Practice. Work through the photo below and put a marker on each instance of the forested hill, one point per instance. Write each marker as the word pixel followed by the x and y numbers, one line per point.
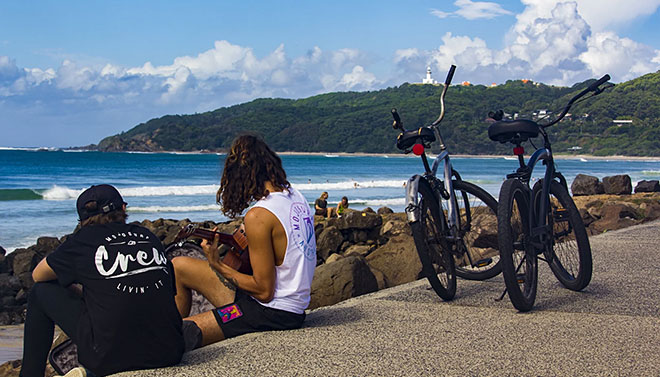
pixel 361 121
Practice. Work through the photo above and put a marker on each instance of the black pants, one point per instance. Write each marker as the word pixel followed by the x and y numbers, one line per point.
pixel 48 304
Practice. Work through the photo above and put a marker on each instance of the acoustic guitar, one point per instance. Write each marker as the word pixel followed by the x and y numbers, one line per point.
pixel 237 256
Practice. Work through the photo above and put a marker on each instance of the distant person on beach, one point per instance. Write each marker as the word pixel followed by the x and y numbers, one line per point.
pixel 280 232
pixel 126 318
pixel 341 207
pixel 321 206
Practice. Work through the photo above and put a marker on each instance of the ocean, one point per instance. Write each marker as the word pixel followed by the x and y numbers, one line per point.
pixel 38 188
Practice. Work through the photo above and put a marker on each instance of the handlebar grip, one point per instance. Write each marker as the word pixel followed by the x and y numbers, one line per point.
pixel 395 115
pixel 450 75
pixel 602 80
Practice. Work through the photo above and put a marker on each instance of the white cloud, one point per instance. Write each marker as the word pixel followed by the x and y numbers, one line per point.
pixel 607 14
pixel 473 10
pixel 552 41
pixel 358 79
pixel 479 9
pixel 439 13
pixel 621 57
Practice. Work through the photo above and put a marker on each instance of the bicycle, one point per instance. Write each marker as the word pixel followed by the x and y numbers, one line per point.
pixel 539 222
pixel 450 241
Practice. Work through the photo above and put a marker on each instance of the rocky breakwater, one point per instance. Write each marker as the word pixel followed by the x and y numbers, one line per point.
pixel 610 204
pixel 361 252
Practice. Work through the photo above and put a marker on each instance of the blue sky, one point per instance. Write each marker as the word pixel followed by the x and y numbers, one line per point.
pixel 73 72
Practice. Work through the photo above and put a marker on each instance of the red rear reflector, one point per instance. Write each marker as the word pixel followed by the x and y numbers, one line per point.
pixel 518 151
pixel 418 149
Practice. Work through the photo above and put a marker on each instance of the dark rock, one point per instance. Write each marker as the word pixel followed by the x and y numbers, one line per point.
pixel 615 216
pixel 359 236
pixel 359 220
pixel 25 260
pixel 9 285
pixel 3 252
pixel 384 211
pixel 7 301
pixel 368 210
pixel 648 186
pixel 345 278
pixel 397 260
pixel 328 242
pixel 362 250
pixel 21 297
pixel 393 225
pixel 617 185
pixel 3 264
pixel 651 211
pixel 26 279
pixel 45 246
pixel 587 219
pixel 586 185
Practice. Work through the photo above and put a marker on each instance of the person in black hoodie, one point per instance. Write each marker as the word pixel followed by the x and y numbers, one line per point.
pixel 126 317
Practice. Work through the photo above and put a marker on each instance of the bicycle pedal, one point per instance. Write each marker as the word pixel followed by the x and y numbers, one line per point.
pixel 560 214
pixel 520 278
pixel 483 262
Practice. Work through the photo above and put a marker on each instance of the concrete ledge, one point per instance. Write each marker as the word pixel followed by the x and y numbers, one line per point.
pixel 611 328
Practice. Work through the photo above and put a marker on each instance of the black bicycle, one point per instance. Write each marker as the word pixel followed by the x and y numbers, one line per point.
pixel 453 222
pixel 539 222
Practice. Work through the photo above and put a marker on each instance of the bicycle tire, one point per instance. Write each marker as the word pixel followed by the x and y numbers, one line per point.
pixel 432 248
pixel 568 252
pixel 477 226
pixel 517 255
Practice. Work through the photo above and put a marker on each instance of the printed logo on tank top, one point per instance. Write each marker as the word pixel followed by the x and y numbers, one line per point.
pixel 302 229
pixel 126 254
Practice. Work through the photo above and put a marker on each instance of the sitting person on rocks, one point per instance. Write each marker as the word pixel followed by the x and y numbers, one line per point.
pixel 126 318
pixel 280 233
pixel 341 207
pixel 321 206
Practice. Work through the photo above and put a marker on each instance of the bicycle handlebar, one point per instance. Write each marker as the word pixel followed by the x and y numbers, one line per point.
pixel 595 87
pixel 450 75
pixel 397 121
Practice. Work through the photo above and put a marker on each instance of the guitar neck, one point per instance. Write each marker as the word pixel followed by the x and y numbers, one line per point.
pixel 223 238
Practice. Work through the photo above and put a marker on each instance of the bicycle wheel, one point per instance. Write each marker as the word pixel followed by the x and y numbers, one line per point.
pixel 478 257
pixel 568 251
pixel 433 250
pixel 517 255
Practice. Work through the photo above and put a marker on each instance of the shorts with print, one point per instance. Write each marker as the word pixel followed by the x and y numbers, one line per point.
pixel 246 315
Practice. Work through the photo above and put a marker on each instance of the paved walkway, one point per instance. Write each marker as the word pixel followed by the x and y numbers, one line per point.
pixel 611 328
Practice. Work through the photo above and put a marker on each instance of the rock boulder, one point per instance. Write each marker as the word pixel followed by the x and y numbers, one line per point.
pixel 648 186
pixel 586 185
pixel 340 280
pixel 617 185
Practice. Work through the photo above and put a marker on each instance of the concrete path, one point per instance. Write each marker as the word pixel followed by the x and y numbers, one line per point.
pixel 611 328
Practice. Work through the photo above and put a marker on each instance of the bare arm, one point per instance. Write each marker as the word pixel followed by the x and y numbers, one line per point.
pixel 43 272
pixel 259 227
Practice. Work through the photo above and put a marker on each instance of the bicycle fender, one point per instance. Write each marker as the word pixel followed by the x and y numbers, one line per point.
pixel 412 204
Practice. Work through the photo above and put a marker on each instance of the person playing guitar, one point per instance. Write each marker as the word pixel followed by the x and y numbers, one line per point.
pixel 280 235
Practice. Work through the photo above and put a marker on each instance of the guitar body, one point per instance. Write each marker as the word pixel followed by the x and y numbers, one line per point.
pixel 237 256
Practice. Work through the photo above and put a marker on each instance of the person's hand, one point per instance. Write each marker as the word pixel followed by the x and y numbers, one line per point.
pixel 211 250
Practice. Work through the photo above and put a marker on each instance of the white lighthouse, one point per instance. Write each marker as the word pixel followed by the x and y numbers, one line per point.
pixel 428 79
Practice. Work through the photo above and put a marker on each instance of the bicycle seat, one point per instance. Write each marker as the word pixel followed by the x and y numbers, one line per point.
pixel 506 131
pixel 407 139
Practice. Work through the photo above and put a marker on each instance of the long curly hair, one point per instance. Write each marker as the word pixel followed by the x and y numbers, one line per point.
pixel 249 164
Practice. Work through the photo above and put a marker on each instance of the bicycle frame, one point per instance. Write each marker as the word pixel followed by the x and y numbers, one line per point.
pixel 412 188
pixel 539 225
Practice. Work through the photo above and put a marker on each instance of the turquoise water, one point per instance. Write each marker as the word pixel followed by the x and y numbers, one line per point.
pixel 38 188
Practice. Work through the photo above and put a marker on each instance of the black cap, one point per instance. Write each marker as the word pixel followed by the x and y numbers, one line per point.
pixel 107 199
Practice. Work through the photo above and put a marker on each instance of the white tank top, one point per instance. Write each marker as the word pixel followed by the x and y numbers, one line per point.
pixel 293 278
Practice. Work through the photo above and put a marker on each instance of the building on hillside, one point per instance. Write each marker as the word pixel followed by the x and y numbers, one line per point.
pixel 429 79
pixel 621 122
